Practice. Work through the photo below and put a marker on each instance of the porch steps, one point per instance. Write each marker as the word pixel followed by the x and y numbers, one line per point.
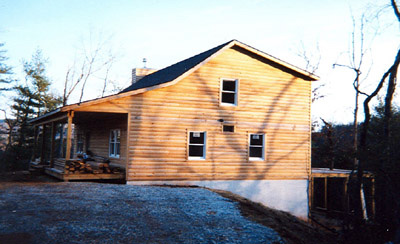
pixel 36 166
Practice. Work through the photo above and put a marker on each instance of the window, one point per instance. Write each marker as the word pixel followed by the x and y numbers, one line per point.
pixel 256 147
pixel 197 145
pixel 229 92
pixel 115 141
pixel 228 128
pixel 79 143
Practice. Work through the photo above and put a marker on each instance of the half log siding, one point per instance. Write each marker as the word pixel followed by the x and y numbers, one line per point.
pixel 97 135
pixel 270 101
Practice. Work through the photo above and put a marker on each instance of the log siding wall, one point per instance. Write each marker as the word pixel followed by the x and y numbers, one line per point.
pixel 270 101
pixel 100 136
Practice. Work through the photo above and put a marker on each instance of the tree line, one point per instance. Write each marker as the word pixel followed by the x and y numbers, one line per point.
pixel 32 98
pixel 372 145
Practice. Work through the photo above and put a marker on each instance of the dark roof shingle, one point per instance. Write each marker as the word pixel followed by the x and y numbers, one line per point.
pixel 172 72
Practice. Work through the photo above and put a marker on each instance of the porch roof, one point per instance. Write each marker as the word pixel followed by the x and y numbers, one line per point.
pixel 79 117
pixel 326 172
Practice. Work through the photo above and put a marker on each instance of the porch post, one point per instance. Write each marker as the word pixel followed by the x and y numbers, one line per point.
pixel 35 138
pixel 69 134
pixel 373 196
pixel 53 134
pixel 326 193
pixel 43 148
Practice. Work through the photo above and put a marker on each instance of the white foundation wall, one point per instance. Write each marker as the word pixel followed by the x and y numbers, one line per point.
pixel 286 195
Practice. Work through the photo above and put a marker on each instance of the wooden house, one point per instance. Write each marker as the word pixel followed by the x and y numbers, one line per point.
pixel 231 118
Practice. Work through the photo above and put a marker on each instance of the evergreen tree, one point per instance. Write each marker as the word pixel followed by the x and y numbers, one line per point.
pixel 32 100
pixel 38 83
pixel 5 70
pixel 23 111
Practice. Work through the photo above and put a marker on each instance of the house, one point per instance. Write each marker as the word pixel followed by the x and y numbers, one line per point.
pixel 231 118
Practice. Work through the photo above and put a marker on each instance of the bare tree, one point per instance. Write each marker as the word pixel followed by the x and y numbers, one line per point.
pixel 390 75
pixel 390 90
pixel 106 79
pixel 356 64
pixel 312 59
pixel 93 59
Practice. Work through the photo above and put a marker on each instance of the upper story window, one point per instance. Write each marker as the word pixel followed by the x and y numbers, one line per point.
pixel 115 143
pixel 197 145
pixel 256 147
pixel 229 92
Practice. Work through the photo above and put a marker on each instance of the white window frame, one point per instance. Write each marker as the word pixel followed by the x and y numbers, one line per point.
pixel 114 143
pixel 236 92
pixel 194 144
pixel 262 146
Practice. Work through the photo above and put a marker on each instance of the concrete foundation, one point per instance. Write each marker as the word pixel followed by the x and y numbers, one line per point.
pixel 286 195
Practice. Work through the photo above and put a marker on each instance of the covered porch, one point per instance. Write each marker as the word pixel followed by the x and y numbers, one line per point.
pixel 81 145
pixel 329 193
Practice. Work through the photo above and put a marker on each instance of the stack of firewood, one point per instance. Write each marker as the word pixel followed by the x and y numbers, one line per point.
pixel 93 167
pixel 106 167
pixel 77 167
pixel 99 167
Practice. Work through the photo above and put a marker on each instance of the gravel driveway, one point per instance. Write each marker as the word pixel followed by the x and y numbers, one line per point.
pixel 111 213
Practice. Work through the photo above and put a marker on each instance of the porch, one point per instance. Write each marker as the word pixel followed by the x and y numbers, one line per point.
pixel 329 195
pixel 76 145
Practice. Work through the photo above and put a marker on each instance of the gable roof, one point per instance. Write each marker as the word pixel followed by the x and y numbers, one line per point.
pixel 176 72
pixel 179 69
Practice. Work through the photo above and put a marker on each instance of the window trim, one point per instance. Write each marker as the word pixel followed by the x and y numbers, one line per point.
pixel 115 155
pixel 236 92
pixel 263 147
pixel 204 146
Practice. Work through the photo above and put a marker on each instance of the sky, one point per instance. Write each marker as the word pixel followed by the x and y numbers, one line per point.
pixel 165 32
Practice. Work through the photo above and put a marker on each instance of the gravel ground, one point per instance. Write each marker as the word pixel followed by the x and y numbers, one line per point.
pixel 111 213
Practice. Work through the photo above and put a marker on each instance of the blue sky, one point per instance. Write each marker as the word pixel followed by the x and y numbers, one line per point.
pixel 165 32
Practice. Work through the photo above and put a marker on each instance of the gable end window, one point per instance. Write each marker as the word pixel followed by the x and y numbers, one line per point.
pixel 256 147
pixel 229 92
pixel 115 143
pixel 197 145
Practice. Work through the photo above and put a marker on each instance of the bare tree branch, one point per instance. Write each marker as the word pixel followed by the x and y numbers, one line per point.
pixel 396 9
pixel 94 59
pixel 312 62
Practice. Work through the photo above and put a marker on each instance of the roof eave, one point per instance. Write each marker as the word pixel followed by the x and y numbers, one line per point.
pixel 312 76
pixel 46 115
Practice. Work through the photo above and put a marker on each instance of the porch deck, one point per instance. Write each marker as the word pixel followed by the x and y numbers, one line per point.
pixel 83 176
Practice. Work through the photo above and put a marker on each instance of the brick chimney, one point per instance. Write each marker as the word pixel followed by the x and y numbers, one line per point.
pixel 139 73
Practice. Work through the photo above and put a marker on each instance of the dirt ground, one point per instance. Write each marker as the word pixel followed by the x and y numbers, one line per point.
pixel 289 228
